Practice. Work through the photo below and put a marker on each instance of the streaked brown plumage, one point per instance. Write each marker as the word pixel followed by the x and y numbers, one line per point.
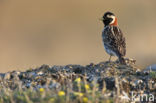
pixel 113 39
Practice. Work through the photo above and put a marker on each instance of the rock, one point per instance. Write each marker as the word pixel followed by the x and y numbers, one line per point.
pixel 15 75
pixel 109 75
pixel 150 68
pixel 2 76
pixel 7 76
pixel 31 74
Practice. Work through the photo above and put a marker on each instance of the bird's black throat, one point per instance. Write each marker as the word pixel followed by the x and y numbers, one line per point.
pixel 107 21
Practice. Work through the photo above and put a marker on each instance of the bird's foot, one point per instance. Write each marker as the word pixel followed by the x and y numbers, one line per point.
pixel 129 61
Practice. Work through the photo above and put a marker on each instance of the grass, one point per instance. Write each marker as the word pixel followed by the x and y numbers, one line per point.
pixel 153 75
pixel 101 83
pixel 82 92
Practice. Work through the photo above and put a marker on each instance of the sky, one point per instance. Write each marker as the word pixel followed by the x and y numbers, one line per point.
pixel 59 32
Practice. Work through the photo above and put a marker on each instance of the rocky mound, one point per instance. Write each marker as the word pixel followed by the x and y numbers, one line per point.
pixel 117 81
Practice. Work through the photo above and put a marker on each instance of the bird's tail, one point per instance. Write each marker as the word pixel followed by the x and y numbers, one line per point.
pixel 122 60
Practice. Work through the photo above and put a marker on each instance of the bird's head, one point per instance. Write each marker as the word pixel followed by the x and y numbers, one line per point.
pixel 109 19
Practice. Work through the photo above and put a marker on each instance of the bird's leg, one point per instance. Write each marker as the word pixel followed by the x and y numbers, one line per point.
pixel 110 58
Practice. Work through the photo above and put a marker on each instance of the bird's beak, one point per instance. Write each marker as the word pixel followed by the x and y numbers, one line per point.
pixel 101 19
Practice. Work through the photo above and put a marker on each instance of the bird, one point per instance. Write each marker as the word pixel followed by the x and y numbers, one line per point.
pixel 113 39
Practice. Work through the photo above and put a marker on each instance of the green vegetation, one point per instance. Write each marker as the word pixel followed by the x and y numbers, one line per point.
pixel 153 74
pixel 82 92
pixel 105 82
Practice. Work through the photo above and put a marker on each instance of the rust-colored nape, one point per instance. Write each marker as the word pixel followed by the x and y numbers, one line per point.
pixel 115 22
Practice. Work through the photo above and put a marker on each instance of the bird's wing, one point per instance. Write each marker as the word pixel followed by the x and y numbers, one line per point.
pixel 113 38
